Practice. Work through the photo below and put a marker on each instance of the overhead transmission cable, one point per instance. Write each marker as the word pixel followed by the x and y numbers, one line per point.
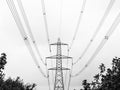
pixel 70 75
pixel 110 5
pixel 78 23
pixel 45 21
pixel 47 74
pixel 18 22
pixel 102 43
pixel 60 24
pixel 29 28
pixel 46 26
pixel 67 64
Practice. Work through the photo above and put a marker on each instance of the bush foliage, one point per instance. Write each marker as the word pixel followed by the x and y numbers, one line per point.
pixel 11 84
pixel 106 79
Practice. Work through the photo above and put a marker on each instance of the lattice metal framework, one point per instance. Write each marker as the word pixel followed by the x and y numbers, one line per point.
pixel 59 83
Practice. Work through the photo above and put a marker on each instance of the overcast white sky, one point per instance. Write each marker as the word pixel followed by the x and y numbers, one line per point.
pixel 20 62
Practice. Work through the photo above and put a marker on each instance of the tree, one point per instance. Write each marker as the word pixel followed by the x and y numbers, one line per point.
pixel 17 84
pixel 2 64
pixel 107 79
pixel 86 85
pixel 11 84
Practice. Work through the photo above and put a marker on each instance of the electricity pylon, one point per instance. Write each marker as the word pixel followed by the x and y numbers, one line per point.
pixel 59 83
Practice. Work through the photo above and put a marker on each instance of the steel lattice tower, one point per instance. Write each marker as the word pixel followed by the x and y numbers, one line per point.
pixel 59 84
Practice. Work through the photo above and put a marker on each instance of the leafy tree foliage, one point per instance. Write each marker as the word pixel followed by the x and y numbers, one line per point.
pixel 106 79
pixel 86 85
pixel 11 84
pixel 2 64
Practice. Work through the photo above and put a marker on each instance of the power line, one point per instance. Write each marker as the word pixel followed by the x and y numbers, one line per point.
pixel 46 26
pixel 29 28
pixel 70 75
pixel 52 67
pixel 102 43
pixel 47 74
pixel 60 25
pixel 16 17
pixel 48 80
pixel 45 21
pixel 67 64
pixel 110 5
pixel 52 71
pixel 78 23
